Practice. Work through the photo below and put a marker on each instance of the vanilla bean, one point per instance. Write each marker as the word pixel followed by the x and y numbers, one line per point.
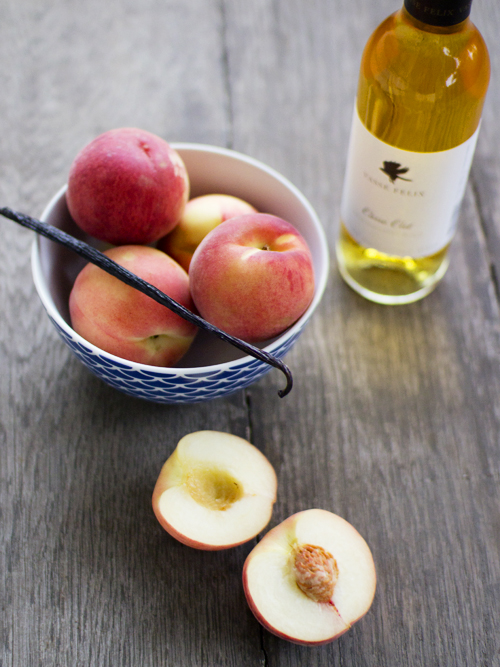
pixel 102 261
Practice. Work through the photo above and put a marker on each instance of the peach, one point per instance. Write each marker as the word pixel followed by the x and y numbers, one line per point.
pixel 310 578
pixel 252 276
pixel 201 215
pixel 121 320
pixel 127 186
pixel 215 491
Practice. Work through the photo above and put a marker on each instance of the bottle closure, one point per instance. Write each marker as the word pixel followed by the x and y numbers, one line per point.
pixel 439 12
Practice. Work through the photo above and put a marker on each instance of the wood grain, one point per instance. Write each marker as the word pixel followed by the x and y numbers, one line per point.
pixel 394 418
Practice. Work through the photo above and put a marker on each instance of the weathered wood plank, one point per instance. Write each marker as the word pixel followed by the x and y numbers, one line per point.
pixel 89 577
pixel 393 421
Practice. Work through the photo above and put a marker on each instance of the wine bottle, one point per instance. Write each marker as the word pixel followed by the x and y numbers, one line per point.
pixel 423 79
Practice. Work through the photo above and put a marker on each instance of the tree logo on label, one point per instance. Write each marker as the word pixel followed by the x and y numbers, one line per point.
pixel 394 171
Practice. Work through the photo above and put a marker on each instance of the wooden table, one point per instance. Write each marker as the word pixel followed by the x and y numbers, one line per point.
pixel 394 419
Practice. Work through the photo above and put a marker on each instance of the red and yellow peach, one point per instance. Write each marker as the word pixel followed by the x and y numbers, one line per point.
pixel 125 322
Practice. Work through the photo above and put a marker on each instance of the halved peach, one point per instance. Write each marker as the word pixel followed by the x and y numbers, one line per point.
pixel 215 491
pixel 310 578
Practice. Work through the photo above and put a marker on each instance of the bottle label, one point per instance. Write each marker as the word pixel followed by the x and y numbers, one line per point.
pixel 402 202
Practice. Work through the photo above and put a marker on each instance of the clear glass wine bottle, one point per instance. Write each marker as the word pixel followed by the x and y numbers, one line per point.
pixel 423 80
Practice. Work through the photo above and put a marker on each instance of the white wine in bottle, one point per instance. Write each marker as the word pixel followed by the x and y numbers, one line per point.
pixel 423 79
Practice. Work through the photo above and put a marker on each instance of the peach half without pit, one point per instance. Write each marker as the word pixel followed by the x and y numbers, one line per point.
pixel 310 578
pixel 215 491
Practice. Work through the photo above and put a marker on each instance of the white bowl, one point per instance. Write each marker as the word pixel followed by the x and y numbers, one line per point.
pixel 211 368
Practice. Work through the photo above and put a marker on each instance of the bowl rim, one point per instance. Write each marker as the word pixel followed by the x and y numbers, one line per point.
pixel 49 305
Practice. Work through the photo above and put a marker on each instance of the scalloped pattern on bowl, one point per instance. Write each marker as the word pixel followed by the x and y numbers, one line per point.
pixel 189 387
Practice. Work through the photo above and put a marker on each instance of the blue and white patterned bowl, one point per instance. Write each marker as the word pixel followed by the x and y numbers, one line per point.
pixel 211 368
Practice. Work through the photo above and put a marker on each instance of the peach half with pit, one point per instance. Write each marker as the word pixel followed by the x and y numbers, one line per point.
pixel 201 215
pixel 310 578
pixel 215 491
pixel 127 186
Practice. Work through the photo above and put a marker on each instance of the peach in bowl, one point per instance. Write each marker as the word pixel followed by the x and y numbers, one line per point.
pixel 211 368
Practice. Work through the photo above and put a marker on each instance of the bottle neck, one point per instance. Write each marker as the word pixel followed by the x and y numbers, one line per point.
pixel 439 12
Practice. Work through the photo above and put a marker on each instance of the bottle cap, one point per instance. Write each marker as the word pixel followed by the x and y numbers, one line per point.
pixel 439 12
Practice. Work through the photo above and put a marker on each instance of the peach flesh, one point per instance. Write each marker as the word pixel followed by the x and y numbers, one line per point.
pixel 271 581
pixel 215 491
